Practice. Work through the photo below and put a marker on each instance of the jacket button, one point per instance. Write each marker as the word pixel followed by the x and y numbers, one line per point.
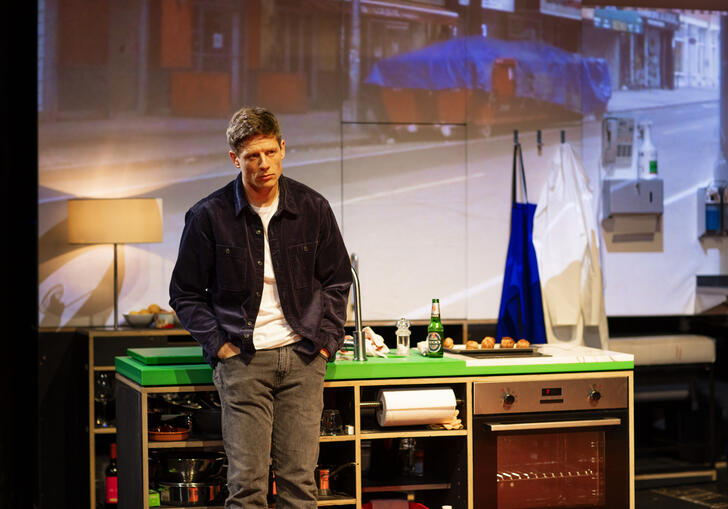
pixel 305 248
pixel 227 250
pixel 260 262
pixel 257 232
pixel 257 294
pixel 250 323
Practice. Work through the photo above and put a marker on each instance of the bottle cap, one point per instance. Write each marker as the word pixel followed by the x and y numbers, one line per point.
pixel 403 327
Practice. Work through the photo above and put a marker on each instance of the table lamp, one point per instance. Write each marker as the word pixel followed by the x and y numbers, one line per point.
pixel 115 221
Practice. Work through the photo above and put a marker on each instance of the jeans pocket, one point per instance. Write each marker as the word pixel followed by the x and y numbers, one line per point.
pixel 322 365
pixel 216 378
pixel 226 360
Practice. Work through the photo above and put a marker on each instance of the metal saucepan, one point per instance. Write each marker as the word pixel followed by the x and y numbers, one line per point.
pixel 190 494
pixel 190 466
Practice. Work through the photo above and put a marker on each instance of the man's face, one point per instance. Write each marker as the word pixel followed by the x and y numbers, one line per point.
pixel 260 160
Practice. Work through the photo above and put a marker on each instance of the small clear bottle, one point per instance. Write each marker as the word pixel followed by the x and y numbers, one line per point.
pixel 406 456
pixel 647 155
pixel 403 337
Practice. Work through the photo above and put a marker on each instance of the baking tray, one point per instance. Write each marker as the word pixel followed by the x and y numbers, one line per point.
pixel 497 352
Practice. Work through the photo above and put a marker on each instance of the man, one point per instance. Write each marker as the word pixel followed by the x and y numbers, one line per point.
pixel 261 282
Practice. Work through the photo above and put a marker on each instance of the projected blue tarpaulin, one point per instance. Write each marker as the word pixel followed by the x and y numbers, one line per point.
pixel 543 72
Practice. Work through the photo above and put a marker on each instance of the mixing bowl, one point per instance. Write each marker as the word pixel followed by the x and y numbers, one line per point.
pixel 190 466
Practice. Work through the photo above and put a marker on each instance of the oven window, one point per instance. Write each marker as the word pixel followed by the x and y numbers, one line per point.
pixel 551 470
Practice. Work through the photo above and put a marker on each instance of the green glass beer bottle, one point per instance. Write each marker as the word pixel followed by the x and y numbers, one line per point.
pixel 435 331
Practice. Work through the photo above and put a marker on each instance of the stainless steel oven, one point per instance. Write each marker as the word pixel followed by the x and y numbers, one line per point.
pixel 552 441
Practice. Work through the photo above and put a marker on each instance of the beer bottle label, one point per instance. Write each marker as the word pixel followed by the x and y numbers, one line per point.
pixel 434 342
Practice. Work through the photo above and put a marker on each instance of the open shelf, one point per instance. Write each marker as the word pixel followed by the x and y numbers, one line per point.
pixel 337 438
pixel 188 506
pixel 373 434
pixel 182 444
pixel 105 431
pixel 405 487
pixel 330 501
pixel 445 465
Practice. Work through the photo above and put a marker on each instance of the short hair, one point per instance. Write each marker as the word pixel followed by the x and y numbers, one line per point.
pixel 251 121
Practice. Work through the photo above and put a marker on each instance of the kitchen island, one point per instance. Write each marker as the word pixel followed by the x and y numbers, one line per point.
pixel 185 365
pixel 453 458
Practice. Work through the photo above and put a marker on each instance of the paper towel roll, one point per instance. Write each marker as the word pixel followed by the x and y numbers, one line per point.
pixel 402 407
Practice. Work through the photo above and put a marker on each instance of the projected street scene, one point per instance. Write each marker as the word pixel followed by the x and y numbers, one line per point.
pixel 401 113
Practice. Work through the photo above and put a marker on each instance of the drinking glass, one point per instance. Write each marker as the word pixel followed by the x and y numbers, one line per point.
pixel 331 423
pixel 104 398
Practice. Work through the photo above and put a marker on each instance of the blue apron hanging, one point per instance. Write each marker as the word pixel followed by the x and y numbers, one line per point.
pixel 521 309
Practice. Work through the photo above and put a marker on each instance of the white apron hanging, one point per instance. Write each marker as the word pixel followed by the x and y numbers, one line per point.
pixel 566 240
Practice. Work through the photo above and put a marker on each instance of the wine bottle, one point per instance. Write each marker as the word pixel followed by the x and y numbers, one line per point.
pixel 111 480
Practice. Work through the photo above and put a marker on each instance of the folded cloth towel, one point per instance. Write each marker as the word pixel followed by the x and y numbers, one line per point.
pixel 390 504
pixel 374 343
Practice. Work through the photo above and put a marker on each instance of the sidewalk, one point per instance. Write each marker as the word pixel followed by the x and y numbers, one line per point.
pixel 626 100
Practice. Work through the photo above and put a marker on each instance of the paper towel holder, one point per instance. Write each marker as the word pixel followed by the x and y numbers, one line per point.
pixel 376 405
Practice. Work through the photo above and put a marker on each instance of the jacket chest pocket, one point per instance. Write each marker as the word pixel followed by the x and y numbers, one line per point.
pixel 302 263
pixel 230 267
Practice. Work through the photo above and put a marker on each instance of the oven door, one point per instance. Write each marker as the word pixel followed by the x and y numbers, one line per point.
pixel 552 459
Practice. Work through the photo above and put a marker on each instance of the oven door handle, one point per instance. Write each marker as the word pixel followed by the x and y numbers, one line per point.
pixel 525 426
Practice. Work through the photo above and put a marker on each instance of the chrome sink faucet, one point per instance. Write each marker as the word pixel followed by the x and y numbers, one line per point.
pixel 360 352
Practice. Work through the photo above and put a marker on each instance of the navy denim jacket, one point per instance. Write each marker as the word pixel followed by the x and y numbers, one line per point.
pixel 217 281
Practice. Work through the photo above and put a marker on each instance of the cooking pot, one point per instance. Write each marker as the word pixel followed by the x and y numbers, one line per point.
pixel 190 493
pixel 207 423
pixel 190 466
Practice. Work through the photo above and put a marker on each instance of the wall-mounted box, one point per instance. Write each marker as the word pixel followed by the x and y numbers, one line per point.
pixel 713 284
pixel 622 196
pixel 712 211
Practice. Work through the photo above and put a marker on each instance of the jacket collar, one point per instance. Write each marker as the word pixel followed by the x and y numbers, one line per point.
pixel 286 201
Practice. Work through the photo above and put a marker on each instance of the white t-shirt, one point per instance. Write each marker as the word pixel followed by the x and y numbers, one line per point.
pixel 271 328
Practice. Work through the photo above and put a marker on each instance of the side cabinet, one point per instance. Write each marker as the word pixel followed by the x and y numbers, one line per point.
pixel 103 345
pixel 364 460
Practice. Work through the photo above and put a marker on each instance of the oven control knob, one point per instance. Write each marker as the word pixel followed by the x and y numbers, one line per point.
pixel 509 398
pixel 595 395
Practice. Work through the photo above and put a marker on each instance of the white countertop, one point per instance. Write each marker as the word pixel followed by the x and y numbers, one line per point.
pixel 562 353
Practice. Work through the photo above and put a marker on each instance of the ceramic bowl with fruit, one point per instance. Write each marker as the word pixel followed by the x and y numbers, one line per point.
pixel 143 317
pixel 139 318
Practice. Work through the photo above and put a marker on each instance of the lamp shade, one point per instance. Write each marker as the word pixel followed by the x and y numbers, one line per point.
pixel 114 221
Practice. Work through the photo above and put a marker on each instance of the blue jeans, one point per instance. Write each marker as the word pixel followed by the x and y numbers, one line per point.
pixel 271 408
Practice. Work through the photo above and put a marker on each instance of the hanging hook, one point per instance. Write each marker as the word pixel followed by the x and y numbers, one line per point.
pixel 539 142
pixel 563 136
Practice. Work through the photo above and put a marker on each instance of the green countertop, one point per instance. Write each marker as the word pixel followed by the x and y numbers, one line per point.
pixel 184 366
pixel 168 355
